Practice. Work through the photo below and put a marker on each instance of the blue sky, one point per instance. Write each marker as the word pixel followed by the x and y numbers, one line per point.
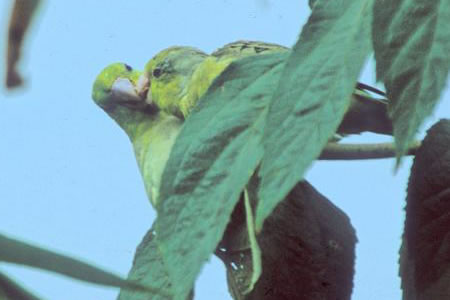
pixel 68 177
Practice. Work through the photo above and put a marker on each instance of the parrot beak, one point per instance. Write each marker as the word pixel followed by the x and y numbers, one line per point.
pixel 142 87
pixel 124 89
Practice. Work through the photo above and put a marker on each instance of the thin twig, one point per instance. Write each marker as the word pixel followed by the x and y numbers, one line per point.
pixel 336 151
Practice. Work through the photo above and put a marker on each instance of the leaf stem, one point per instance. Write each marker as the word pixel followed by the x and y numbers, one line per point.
pixel 256 251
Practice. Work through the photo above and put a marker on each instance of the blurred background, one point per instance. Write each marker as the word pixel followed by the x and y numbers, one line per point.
pixel 68 176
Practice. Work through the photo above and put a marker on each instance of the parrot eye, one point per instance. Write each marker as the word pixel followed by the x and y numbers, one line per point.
pixel 128 67
pixel 157 72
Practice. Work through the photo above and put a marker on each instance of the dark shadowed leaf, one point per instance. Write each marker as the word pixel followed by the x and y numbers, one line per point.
pixel 215 154
pixel 425 255
pixel 412 51
pixel 17 252
pixel 10 290
pixel 313 95
pixel 21 15
pixel 148 269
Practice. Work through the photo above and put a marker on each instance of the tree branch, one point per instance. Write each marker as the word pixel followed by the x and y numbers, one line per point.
pixel 336 151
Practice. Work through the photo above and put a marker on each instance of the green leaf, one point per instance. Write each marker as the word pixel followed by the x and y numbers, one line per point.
pixel 10 290
pixel 148 269
pixel 313 95
pixel 311 3
pixel 412 46
pixel 213 158
pixel 17 252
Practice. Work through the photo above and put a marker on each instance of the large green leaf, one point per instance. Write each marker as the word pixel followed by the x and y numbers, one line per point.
pixel 313 95
pixel 412 51
pixel 10 290
pixel 148 269
pixel 17 252
pixel 215 154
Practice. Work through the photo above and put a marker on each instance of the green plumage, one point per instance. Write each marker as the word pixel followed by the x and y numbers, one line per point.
pixel 151 105
pixel 169 74
pixel 151 131
pixel 179 76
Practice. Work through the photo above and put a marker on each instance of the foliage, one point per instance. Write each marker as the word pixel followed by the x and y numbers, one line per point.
pixel 148 269
pixel 425 258
pixel 411 39
pixel 303 115
pixel 17 252
pixel 227 149
pixel 210 164
pixel 270 116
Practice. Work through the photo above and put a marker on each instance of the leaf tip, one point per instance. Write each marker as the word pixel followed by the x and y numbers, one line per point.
pixel 258 224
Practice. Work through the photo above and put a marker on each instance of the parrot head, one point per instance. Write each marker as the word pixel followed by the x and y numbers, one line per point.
pixel 120 92
pixel 167 76
pixel 118 85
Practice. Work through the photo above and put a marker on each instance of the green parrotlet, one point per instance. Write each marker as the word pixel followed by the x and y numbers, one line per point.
pixel 178 77
pixel 151 131
pixel 151 105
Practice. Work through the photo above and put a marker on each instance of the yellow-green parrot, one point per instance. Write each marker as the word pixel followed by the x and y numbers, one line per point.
pixel 118 91
pixel 178 76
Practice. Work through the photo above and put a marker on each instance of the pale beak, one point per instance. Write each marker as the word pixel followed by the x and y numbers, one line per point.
pixel 123 88
pixel 143 87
